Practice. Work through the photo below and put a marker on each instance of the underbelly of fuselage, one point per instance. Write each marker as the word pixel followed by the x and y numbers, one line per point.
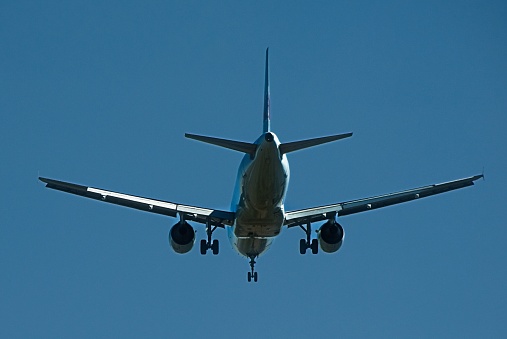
pixel 250 247
pixel 260 224
pixel 262 185
pixel 251 237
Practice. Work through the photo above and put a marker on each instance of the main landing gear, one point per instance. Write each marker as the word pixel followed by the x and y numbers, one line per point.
pixel 252 274
pixel 304 244
pixel 205 245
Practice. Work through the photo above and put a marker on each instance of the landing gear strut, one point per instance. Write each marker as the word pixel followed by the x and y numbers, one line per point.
pixel 304 244
pixel 252 274
pixel 213 245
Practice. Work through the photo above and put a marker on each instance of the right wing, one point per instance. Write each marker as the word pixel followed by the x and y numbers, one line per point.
pixel 192 213
pixel 300 217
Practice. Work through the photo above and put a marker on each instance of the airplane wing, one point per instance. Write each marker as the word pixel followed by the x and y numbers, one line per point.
pixel 192 213
pixel 300 217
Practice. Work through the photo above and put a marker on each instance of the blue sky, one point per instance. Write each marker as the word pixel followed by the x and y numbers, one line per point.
pixel 101 94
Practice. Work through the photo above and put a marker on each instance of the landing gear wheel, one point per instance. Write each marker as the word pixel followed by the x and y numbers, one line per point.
pixel 214 247
pixel 255 276
pixel 302 246
pixel 315 246
pixel 204 247
pixel 249 277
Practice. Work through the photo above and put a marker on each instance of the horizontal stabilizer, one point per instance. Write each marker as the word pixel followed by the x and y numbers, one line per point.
pixel 297 145
pixel 231 144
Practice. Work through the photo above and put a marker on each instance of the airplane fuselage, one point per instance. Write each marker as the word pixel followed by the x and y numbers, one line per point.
pixel 259 196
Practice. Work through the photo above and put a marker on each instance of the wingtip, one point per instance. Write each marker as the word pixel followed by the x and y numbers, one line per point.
pixel 191 136
pixel 45 181
pixel 477 177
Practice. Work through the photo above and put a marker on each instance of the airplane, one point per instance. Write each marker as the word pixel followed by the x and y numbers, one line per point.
pixel 257 214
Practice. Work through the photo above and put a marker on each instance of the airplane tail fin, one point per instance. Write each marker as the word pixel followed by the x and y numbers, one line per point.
pixel 297 145
pixel 267 113
pixel 284 148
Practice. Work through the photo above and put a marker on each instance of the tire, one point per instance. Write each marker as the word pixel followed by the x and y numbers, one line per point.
pixel 255 276
pixel 204 247
pixel 214 247
pixel 249 277
pixel 315 246
pixel 302 246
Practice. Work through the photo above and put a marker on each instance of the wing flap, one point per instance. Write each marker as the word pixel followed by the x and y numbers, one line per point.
pixel 197 214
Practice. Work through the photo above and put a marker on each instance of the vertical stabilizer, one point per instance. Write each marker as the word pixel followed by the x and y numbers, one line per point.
pixel 267 114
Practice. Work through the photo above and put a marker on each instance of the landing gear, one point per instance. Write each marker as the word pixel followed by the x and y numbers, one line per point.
pixel 213 245
pixel 304 244
pixel 252 274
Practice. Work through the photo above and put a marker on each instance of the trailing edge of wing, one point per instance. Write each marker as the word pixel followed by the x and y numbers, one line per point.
pixel 197 214
pixel 230 144
pixel 296 218
pixel 297 145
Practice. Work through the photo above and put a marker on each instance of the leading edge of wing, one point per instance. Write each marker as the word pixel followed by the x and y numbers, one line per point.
pixel 192 213
pixel 296 218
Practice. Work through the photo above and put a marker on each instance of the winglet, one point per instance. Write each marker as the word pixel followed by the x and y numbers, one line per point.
pixel 267 113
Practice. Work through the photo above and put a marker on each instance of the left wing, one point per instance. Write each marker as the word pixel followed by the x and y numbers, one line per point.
pixel 299 217
pixel 192 213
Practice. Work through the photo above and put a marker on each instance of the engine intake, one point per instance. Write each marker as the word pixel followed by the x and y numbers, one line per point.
pixel 182 237
pixel 331 236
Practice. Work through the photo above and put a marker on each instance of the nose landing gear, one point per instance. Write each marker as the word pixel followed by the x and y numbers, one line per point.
pixel 252 274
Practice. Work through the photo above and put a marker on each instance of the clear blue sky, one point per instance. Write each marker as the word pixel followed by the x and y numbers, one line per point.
pixel 101 93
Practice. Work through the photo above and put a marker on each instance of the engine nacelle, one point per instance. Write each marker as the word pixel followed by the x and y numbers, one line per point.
pixel 331 236
pixel 182 237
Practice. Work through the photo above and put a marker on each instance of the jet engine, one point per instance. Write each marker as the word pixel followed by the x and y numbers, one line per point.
pixel 331 236
pixel 182 237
